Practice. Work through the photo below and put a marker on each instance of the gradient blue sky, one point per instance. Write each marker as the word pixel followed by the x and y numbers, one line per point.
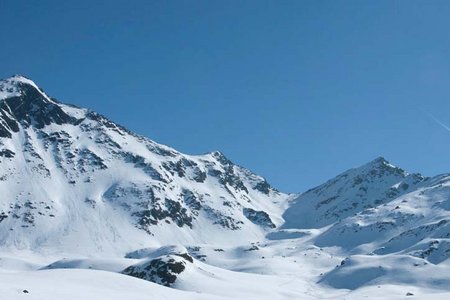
pixel 296 91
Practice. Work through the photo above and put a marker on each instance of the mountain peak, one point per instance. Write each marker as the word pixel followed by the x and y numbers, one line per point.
pixel 20 79
pixel 67 163
pixel 353 191
pixel 380 159
pixel 220 157
pixel 380 163
pixel 23 103
pixel 18 85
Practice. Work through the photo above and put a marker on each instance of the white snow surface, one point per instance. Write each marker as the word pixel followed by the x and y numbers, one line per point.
pixel 84 200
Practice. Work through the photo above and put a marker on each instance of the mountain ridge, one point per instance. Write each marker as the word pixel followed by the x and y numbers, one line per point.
pixel 82 192
pixel 108 167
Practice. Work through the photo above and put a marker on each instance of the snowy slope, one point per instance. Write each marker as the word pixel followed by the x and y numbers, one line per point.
pixel 377 208
pixel 391 226
pixel 353 191
pixel 91 207
pixel 73 180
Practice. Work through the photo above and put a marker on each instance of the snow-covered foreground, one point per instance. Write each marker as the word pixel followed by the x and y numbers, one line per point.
pixel 90 210
pixel 281 270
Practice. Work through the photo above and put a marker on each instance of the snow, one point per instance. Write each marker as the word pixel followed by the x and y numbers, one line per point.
pixel 10 87
pixel 65 284
pixel 84 199
pixel 298 274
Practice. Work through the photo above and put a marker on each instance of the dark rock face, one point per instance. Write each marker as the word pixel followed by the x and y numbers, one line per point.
pixel 162 270
pixel 139 162
pixel 31 108
pixel 88 159
pixel 222 220
pixel 199 175
pixel 3 216
pixel 263 187
pixel 171 210
pixel 7 153
pixel 260 218
pixel 191 201
pixel 8 124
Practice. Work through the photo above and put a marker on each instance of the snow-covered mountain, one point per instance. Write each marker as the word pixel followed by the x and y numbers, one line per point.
pixel 75 181
pixel 92 206
pixel 393 227
pixel 371 185
pixel 378 208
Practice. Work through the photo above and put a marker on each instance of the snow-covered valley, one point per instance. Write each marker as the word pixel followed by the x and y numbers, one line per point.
pixel 90 210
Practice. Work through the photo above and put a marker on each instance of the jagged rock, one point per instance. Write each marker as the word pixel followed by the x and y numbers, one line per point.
pixel 163 265
pixel 162 270
pixel 258 217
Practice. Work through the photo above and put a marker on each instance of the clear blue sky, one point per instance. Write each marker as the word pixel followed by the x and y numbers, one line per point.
pixel 296 91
